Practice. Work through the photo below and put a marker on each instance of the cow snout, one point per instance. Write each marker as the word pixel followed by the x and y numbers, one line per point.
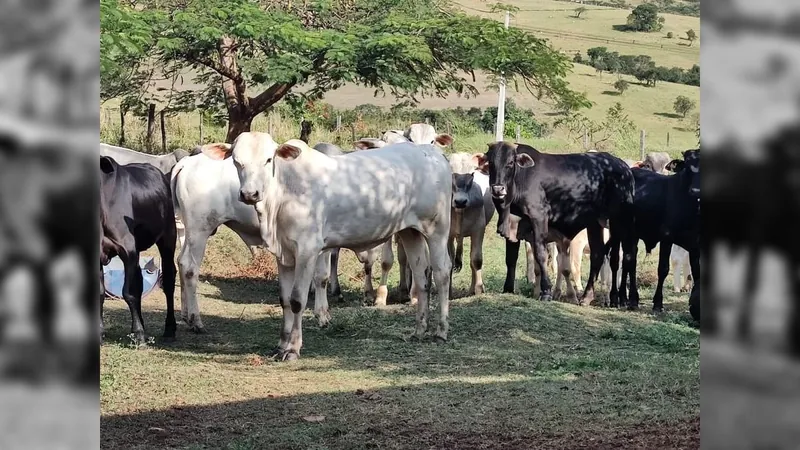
pixel 498 191
pixel 695 191
pixel 460 203
pixel 249 197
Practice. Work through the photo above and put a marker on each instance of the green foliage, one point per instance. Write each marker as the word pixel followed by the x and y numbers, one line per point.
pixel 408 49
pixel 621 86
pixel 515 116
pixel 645 18
pixel 683 105
pixel 691 36
pixel 641 66
pixel 616 127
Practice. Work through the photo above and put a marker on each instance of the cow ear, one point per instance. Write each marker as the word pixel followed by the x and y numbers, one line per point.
pixel 218 151
pixel 288 151
pixel 366 144
pixel 443 140
pixel 674 166
pixel 637 164
pixel 107 165
pixel 524 160
pixel 480 161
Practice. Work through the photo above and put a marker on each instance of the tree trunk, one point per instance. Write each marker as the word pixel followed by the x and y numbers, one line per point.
pixel 151 127
pixel 163 131
pixel 121 126
pixel 237 124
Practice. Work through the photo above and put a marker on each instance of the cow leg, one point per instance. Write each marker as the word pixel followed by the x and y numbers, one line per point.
pixel 458 262
pixel 597 251
pixel 305 267
pixel 663 271
pixel 321 278
pixel 102 300
pixel 512 253
pixel 531 271
pixel 387 261
pixel 677 275
pixel 476 262
pixel 536 278
pixel 565 271
pixel 442 276
pixel 402 261
pixel 286 275
pixel 181 230
pixel 336 290
pixel 132 292
pixel 794 318
pixel 414 244
pixel 166 248
pixel 540 253
pixel 189 261
pixel 368 260
pixel 451 251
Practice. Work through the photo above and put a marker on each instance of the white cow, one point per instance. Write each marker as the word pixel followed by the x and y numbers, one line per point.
pixel 681 270
pixel 205 193
pixel 416 133
pixel 472 209
pixel 308 202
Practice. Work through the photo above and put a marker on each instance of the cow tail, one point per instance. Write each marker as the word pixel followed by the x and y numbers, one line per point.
pixel 173 182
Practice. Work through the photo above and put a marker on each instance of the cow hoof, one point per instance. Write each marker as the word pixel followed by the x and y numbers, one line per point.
pixel 439 339
pixel 658 309
pixel 291 355
pixel 545 297
pixel 479 290
pixel 383 295
pixel 417 337
pixel 168 340
pixel 556 294
pixel 198 329
pixel 633 307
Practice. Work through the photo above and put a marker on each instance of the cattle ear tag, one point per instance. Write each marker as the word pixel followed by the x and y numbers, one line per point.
pixel 288 152
pixel 524 160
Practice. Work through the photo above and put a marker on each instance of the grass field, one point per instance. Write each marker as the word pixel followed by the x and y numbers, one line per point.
pixel 516 373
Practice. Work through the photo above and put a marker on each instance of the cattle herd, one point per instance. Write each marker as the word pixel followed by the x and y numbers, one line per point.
pixel 304 204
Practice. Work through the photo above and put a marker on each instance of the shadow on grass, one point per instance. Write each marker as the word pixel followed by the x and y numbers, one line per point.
pixel 668 115
pixel 612 93
pixel 536 413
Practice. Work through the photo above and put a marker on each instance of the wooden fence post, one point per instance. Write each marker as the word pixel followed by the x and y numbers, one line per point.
pixel 642 136
pixel 163 131
pixel 585 140
pixel 667 139
pixel 338 122
pixel 427 121
pixel 121 126
pixel 151 125
pixel 201 127
pixel 519 133
pixel 450 132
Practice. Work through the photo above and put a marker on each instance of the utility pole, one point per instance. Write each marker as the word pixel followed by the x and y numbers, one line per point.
pixel 501 101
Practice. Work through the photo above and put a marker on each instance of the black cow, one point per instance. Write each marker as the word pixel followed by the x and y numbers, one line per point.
pixel 567 193
pixel 136 212
pixel 755 205
pixel 667 211
pixel 47 211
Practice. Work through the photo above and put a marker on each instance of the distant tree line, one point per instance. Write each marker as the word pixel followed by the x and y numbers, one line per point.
pixel 682 8
pixel 640 66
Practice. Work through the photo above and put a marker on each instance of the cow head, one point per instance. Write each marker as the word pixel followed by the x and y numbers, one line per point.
pixel 462 184
pixel 691 162
pixel 423 133
pixel 252 154
pixel 501 162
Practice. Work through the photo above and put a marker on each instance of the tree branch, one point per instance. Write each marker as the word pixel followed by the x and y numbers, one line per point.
pixel 269 97
pixel 215 66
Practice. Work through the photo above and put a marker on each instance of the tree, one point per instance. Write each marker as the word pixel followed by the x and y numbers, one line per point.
pixel 645 18
pixel 691 36
pixel 580 10
pixel 621 86
pixel 248 55
pixel 683 105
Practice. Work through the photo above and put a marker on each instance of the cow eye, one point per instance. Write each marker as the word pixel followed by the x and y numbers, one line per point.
pixel 269 160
